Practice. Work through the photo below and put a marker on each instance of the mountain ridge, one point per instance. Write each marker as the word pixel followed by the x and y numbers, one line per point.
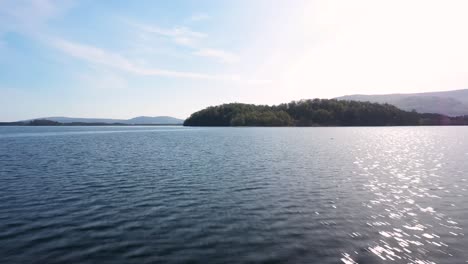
pixel 450 103
pixel 139 120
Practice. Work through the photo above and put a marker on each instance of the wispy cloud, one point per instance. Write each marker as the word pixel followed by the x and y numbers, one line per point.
pixel 179 35
pixel 199 17
pixel 27 16
pixel 193 39
pixel 221 55
pixel 31 17
pixel 102 57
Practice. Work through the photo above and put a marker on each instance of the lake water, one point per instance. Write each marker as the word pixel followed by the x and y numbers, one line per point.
pixel 233 195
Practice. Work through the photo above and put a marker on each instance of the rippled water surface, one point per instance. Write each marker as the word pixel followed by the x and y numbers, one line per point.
pixel 233 195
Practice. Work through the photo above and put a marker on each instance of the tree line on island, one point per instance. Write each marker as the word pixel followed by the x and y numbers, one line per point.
pixel 316 112
pixel 311 112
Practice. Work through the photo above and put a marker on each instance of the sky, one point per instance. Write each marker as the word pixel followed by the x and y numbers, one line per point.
pixel 121 59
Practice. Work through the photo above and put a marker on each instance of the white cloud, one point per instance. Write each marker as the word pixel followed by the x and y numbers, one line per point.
pixel 180 35
pixel 199 17
pixel 221 55
pixel 185 36
pixel 26 16
pixel 99 56
pixel 174 32
pixel 31 17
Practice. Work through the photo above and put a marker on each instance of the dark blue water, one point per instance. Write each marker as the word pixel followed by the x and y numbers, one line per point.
pixel 233 195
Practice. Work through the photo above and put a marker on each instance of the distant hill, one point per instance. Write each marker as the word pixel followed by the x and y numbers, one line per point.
pixel 141 120
pixel 450 103
pixel 154 120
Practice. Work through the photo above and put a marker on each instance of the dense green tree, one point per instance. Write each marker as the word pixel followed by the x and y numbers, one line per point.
pixel 43 122
pixel 315 112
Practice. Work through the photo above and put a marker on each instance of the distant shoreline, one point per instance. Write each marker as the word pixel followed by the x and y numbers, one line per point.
pixel 181 125
pixel 78 124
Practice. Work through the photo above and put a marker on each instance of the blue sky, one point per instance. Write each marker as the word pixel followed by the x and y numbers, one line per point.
pixel 120 59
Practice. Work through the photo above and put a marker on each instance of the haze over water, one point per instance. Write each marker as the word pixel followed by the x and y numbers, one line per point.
pixel 233 195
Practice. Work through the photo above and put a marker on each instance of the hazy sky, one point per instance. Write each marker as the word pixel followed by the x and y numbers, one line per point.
pixel 120 59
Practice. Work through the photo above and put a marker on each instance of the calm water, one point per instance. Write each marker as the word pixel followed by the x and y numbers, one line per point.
pixel 233 195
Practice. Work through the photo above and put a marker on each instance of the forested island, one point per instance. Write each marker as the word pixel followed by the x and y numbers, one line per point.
pixel 317 112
